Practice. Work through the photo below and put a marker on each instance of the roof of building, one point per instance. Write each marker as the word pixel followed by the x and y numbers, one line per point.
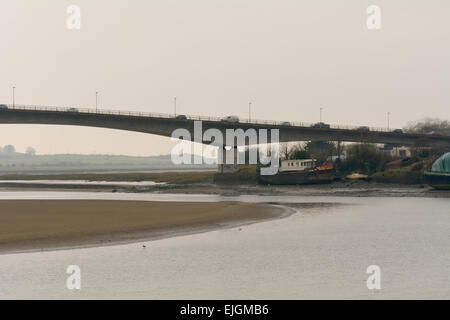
pixel 299 160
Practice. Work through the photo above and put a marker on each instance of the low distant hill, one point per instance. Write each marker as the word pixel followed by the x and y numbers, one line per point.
pixel 14 162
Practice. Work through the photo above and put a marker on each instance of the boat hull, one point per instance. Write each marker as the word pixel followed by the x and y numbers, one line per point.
pixel 438 180
pixel 298 178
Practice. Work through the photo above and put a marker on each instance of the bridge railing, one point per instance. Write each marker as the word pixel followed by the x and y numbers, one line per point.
pixel 172 116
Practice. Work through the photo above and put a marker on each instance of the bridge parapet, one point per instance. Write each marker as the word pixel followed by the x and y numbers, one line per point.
pixel 188 117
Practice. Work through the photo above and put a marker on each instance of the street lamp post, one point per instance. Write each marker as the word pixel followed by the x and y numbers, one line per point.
pixel 96 101
pixel 14 96
pixel 388 120
pixel 175 106
pixel 321 114
pixel 249 111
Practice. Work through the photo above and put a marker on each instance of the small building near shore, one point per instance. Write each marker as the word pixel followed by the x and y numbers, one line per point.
pixel 396 152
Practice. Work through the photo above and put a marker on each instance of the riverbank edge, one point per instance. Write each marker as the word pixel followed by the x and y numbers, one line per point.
pixel 356 188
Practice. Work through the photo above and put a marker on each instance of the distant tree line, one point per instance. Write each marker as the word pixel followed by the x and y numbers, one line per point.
pixel 10 150
pixel 428 125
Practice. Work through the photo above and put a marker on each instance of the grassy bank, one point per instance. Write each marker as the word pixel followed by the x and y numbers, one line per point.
pixel 247 174
pixel 407 172
pixel 399 175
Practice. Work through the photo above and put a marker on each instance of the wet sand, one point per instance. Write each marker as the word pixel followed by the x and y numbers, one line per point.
pixel 56 224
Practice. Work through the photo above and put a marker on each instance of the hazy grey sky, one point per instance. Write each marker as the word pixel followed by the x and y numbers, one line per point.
pixel 288 57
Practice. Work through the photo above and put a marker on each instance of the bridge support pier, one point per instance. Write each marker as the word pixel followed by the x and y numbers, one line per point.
pixel 223 167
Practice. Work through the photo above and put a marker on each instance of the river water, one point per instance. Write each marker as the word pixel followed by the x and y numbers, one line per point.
pixel 322 251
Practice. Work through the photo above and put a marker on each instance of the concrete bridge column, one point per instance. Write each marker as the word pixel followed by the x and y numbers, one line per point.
pixel 228 168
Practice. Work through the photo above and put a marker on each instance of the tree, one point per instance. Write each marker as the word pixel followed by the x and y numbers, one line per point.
pixel 320 150
pixel 427 125
pixel 298 151
pixel 9 149
pixel 364 157
pixel 422 146
pixel 339 146
pixel 285 151
pixel 30 151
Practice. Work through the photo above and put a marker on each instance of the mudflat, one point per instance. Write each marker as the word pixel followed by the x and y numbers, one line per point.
pixel 51 224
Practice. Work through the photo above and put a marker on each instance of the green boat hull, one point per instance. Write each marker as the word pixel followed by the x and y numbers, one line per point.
pixel 438 180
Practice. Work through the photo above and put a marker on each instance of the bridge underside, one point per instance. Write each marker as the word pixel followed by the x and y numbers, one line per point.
pixel 165 127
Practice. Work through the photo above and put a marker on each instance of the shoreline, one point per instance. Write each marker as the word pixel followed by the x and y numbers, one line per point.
pixel 168 219
pixel 345 189
pixel 202 182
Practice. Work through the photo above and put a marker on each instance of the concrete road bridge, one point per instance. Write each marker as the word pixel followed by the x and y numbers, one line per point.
pixel 165 124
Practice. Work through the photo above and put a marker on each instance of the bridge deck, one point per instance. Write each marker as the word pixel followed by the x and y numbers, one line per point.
pixel 165 124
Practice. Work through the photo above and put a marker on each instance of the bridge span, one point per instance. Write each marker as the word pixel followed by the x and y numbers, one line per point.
pixel 165 124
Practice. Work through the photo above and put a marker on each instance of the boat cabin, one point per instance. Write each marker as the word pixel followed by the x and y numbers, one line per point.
pixel 297 165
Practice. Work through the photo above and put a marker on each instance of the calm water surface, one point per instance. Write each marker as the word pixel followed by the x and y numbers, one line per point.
pixel 322 251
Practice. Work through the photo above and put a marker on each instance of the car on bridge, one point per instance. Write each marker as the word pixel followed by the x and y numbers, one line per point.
pixel 72 110
pixel 181 117
pixel 231 119
pixel 434 133
pixel 321 125
pixel 286 123
pixel 397 131
pixel 363 129
pixel 3 107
